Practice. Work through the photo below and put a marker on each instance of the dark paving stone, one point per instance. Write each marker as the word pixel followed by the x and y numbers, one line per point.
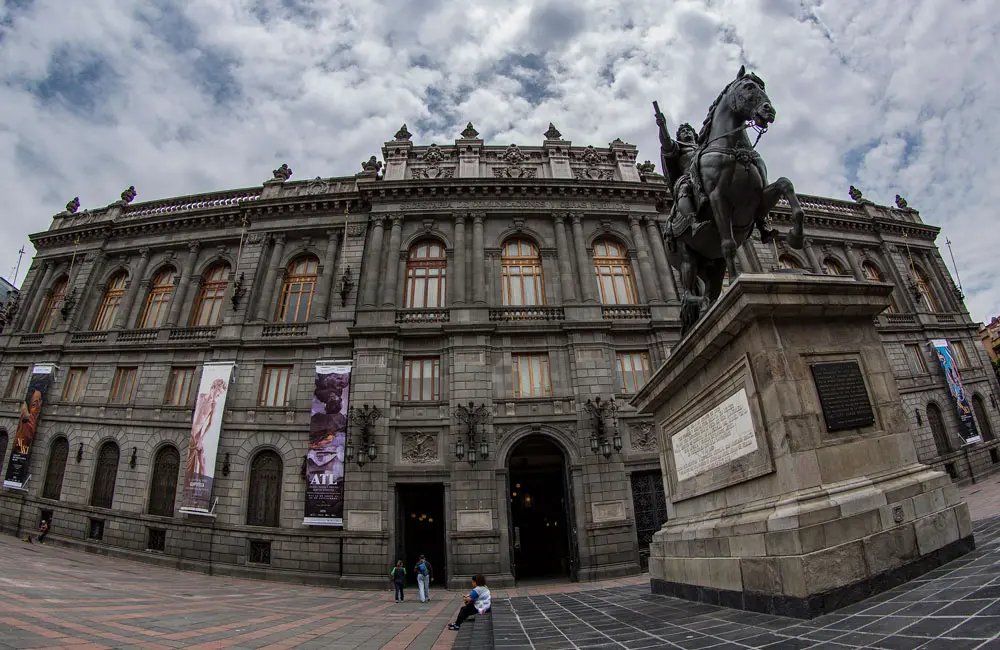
pixel 899 642
pixel 931 627
pixel 980 627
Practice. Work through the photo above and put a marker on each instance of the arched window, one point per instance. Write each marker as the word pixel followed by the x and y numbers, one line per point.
pixel 924 290
pixel 521 273
pixel 936 422
pixel 3 446
pixel 871 272
pixel 833 267
pixel 208 306
pixel 985 428
pixel 47 320
pixel 614 273
pixel 103 492
pixel 426 271
pixel 109 304
pixel 56 469
pixel 264 498
pixel 163 487
pixel 297 290
pixel 788 262
pixel 154 314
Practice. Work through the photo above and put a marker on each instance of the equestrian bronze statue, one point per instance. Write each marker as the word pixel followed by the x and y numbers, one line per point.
pixel 720 192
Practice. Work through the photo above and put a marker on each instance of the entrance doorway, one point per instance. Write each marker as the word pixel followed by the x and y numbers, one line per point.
pixel 540 507
pixel 420 528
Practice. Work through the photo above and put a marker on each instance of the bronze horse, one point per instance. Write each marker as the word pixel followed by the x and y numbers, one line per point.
pixel 730 192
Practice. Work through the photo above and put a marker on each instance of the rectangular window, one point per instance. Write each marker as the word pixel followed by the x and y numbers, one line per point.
pixel 531 375
pixel 914 359
pixel 179 386
pixel 633 371
pixel 76 381
pixel 421 379
pixel 274 386
pixel 961 356
pixel 18 382
pixel 123 386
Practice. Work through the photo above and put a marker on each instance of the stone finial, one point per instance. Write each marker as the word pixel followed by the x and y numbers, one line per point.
pixel 403 133
pixel 282 173
pixel 901 203
pixel 552 133
pixel 646 167
pixel 617 141
pixel 73 205
pixel 373 164
pixel 129 195
pixel 855 194
pixel 470 133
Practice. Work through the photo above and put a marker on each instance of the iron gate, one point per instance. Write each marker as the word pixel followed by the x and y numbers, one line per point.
pixel 649 502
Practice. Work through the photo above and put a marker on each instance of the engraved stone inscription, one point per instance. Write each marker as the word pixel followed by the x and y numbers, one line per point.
pixel 723 434
pixel 605 511
pixel 842 395
pixel 472 520
pixel 367 520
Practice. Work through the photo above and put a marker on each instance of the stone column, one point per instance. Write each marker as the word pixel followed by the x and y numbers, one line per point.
pixel 811 256
pixel 324 298
pixel 663 271
pixel 277 252
pixel 125 318
pixel 645 267
pixel 459 283
pixel 37 297
pixel 392 263
pixel 945 299
pixel 851 254
pixel 478 259
pixel 85 306
pixel 904 299
pixel 585 266
pixel 563 253
pixel 187 273
pixel 374 255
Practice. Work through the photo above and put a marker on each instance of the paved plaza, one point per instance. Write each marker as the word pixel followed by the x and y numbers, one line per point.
pixel 56 597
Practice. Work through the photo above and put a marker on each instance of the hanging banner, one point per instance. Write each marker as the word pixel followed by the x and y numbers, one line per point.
pixel 966 424
pixel 204 444
pixel 27 425
pixel 327 437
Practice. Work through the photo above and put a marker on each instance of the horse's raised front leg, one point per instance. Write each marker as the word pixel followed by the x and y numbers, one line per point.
pixel 783 187
pixel 724 223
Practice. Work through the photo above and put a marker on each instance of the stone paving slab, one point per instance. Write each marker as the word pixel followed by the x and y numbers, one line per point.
pixel 955 606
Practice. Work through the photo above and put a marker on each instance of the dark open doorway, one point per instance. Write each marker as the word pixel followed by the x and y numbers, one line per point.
pixel 420 528
pixel 539 511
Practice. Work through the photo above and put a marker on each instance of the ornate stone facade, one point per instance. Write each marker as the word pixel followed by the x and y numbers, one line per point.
pixel 528 279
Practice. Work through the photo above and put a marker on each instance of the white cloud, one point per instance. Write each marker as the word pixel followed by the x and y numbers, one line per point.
pixel 201 95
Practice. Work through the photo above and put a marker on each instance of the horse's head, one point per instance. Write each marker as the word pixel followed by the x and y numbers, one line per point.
pixel 748 101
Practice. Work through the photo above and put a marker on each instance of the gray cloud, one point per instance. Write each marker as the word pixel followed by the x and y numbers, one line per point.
pixel 199 95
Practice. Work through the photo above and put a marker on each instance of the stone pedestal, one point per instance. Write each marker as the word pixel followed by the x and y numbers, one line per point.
pixel 793 485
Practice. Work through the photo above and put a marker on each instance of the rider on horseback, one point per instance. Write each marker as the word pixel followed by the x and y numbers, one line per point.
pixel 677 157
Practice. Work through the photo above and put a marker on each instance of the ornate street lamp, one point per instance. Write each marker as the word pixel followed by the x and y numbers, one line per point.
pixel 364 417
pixel 472 416
pixel 598 412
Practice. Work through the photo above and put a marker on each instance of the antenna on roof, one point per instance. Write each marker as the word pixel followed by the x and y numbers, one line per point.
pixel 20 254
pixel 961 293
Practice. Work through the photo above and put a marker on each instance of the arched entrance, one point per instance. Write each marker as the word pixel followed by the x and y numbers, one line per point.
pixel 540 503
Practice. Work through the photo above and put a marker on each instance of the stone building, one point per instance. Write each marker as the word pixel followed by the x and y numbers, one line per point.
pixel 493 301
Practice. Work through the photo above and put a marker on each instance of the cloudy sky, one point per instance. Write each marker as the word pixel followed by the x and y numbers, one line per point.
pixel 185 96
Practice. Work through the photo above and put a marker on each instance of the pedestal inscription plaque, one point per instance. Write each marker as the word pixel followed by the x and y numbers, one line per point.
pixel 723 434
pixel 842 395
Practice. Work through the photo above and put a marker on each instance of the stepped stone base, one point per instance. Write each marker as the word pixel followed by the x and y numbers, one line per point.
pixel 775 505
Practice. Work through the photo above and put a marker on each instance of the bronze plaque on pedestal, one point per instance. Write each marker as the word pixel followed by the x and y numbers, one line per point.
pixel 842 395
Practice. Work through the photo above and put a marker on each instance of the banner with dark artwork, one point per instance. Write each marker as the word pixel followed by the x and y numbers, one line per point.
pixel 27 425
pixel 199 471
pixel 966 424
pixel 327 437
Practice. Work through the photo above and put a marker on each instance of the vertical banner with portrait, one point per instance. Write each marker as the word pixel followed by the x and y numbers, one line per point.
pixel 41 379
pixel 203 446
pixel 966 424
pixel 327 437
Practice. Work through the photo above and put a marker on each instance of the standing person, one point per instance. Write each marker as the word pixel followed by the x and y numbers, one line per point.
pixel 425 576
pixel 478 601
pixel 398 577
pixel 43 530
